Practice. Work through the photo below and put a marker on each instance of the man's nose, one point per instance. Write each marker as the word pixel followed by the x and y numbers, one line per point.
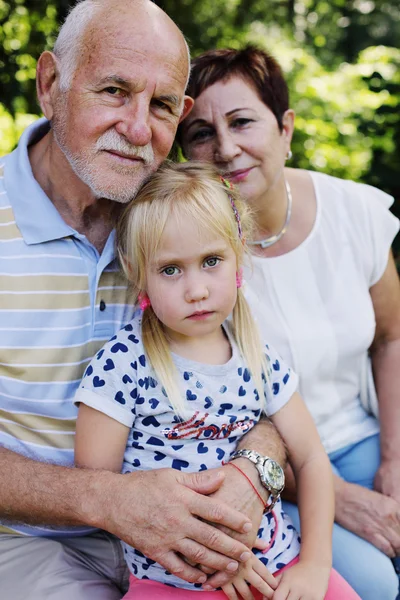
pixel 134 123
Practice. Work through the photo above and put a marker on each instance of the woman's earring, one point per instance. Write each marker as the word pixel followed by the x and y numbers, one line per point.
pixel 239 278
pixel 144 301
pixel 289 155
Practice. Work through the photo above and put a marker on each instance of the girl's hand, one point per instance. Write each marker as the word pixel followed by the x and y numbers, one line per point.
pixel 253 572
pixel 304 580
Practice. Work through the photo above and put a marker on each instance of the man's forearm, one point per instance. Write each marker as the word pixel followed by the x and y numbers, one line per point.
pixel 40 493
pixel 265 439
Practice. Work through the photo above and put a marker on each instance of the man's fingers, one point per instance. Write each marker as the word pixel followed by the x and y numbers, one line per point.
pixel 260 544
pixel 203 482
pixel 207 570
pixel 199 555
pixel 215 511
pixel 177 566
pixel 219 542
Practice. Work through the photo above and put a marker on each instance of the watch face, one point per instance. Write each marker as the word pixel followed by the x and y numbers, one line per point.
pixel 274 475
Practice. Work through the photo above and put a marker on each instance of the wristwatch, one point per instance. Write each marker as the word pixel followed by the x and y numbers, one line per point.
pixel 271 473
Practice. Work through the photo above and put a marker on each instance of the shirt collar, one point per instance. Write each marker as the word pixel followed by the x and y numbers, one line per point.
pixel 36 216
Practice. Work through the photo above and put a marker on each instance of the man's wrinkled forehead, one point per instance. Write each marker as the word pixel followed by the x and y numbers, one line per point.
pixel 136 34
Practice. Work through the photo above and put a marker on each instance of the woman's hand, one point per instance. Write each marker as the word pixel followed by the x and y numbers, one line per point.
pixel 369 514
pixel 305 580
pixel 253 572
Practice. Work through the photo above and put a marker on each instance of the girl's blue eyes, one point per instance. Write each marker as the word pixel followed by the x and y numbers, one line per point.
pixel 169 271
pixel 210 262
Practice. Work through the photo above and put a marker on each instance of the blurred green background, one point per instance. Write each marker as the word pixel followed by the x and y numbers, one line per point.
pixel 341 57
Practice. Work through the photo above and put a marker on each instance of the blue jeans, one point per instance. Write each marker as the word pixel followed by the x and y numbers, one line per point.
pixel 367 569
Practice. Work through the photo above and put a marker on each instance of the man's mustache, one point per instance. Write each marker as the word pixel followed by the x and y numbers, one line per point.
pixel 112 141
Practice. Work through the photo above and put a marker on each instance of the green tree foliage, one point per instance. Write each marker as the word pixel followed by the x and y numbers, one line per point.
pixel 340 57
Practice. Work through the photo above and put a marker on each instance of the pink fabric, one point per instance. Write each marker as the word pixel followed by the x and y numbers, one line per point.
pixel 145 589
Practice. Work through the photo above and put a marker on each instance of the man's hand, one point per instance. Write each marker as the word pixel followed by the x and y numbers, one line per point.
pixel 387 479
pixel 162 513
pixel 370 515
pixel 238 493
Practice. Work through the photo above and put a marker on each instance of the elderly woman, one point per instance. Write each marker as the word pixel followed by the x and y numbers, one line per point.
pixel 325 290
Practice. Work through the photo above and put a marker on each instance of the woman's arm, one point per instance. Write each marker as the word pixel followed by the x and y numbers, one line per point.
pixel 367 513
pixel 313 475
pixel 385 354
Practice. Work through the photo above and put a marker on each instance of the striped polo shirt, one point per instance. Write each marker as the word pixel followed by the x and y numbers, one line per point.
pixel 60 301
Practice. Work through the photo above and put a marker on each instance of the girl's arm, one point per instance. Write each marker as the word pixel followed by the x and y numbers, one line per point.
pixel 100 441
pixel 314 480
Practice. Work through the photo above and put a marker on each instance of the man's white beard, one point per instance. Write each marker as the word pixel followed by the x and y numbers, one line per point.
pixel 83 164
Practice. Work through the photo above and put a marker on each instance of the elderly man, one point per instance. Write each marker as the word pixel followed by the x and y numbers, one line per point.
pixel 112 93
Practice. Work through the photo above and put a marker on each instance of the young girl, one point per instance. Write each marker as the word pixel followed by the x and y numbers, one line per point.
pixel 180 385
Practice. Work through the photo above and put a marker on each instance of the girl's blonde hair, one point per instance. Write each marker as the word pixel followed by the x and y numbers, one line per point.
pixel 186 190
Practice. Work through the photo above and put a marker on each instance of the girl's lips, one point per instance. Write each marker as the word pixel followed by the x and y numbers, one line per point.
pixel 237 176
pixel 199 316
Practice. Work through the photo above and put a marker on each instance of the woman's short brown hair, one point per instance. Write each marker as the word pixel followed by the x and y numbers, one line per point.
pixel 258 67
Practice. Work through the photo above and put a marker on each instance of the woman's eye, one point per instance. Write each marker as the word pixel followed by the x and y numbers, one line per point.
pixel 169 271
pixel 212 261
pixel 201 134
pixel 240 122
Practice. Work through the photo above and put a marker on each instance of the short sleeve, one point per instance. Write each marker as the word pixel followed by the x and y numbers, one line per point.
pixel 382 227
pixel 281 384
pixel 109 384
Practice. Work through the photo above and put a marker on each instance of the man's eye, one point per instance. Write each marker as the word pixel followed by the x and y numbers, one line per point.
pixel 169 271
pixel 160 104
pixel 114 91
pixel 212 261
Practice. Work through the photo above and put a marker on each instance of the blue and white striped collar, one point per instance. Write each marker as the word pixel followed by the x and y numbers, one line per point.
pixel 36 216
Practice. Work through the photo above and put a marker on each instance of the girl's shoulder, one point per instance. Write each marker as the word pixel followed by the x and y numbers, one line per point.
pixel 126 344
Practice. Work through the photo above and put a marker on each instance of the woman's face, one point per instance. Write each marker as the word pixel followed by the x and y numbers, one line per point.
pixel 231 127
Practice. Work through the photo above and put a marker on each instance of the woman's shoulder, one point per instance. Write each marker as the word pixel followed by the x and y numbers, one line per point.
pixel 350 192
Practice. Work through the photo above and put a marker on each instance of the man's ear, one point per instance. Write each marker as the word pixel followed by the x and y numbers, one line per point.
pixel 47 82
pixel 188 103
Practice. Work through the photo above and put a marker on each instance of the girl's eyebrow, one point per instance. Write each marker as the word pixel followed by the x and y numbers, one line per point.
pixel 179 259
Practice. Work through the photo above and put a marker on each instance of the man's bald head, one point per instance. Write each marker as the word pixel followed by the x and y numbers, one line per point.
pixel 89 18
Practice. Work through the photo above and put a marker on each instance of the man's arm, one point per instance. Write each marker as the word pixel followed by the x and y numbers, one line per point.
pixel 132 507
pixel 238 493
pixel 236 490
